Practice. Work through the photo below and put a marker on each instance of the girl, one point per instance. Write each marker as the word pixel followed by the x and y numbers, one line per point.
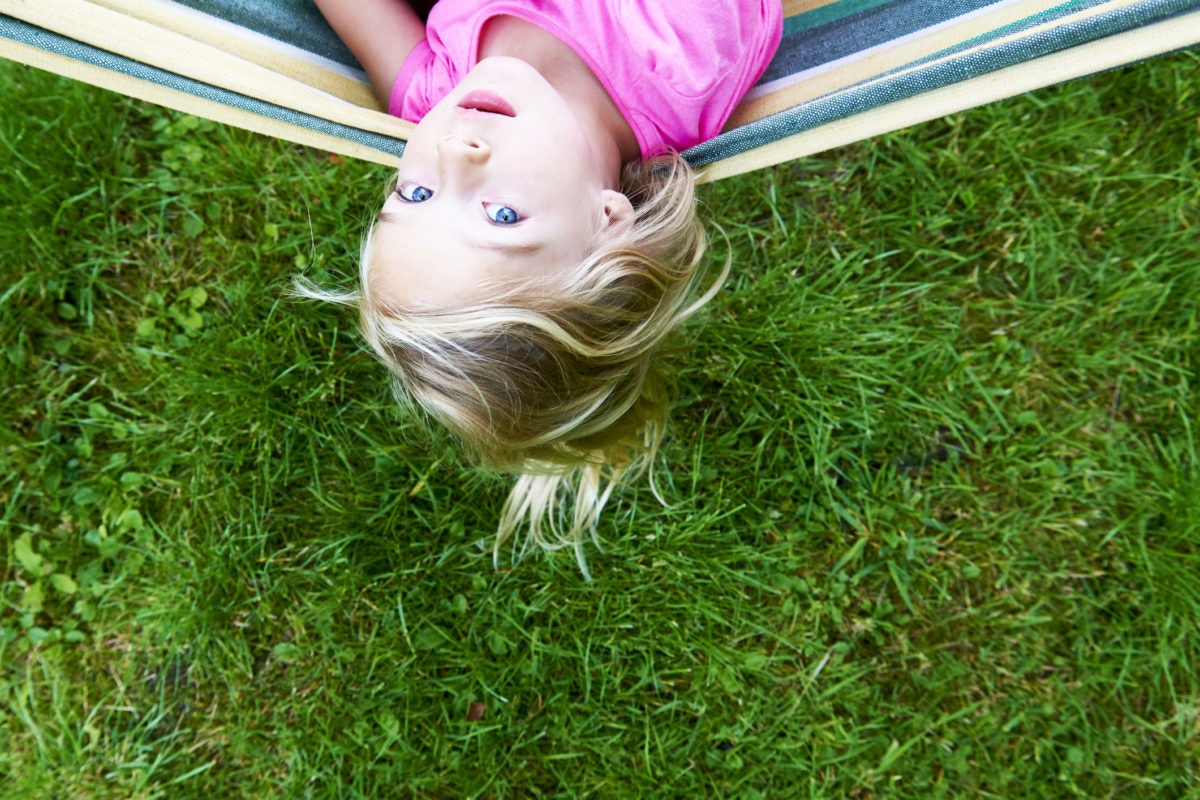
pixel 541 238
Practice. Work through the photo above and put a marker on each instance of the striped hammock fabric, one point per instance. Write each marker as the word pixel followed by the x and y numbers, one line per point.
pixel 847 69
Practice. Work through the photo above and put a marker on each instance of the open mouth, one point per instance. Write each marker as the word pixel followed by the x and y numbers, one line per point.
pixel 487 103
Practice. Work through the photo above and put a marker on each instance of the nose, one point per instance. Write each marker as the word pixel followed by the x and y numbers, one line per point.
pixel 467 149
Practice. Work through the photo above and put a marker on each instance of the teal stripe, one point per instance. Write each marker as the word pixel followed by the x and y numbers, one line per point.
pixel 1042 17
pixel 851 35
pixel 808 20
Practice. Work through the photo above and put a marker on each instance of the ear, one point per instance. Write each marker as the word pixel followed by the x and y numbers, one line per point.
pixel 618 214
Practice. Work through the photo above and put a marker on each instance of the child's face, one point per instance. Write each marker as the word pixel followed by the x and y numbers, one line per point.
pixel 499 182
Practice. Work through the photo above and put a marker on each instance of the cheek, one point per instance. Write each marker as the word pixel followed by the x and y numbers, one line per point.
pixel 380 272
pixel 392 204
pixel 422 144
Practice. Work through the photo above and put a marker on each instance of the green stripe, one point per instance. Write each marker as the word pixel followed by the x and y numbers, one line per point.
pixel 826 14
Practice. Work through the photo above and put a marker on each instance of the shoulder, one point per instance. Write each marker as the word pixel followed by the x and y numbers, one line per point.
pixel 678 70
pixel 380 34
pixel 443 58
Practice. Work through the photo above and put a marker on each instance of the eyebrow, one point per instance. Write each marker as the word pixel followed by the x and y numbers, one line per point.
pixel 509 248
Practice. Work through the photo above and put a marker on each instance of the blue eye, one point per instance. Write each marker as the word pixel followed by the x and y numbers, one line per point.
pixel 413 193
pixel 501 214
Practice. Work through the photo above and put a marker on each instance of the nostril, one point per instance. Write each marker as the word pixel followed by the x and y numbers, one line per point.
pixel 464 147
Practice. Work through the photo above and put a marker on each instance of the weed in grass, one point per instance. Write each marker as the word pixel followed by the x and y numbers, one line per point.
pixel 933 480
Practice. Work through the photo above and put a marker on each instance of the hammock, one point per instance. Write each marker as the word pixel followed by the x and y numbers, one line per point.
pixel 846 70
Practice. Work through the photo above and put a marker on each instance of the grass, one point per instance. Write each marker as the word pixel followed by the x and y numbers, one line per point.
pixel 934 482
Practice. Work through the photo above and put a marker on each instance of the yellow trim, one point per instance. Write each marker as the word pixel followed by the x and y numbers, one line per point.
pixel 792 8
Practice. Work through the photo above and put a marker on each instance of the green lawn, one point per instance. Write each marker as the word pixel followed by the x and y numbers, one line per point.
pixel 933 474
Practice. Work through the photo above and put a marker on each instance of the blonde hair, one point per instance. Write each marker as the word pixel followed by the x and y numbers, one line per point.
pixel 557 382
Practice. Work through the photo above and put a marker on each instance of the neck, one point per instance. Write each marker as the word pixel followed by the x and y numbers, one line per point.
pixel 570 76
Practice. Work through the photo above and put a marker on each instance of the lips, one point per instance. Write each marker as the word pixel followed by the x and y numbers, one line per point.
pixel 487 103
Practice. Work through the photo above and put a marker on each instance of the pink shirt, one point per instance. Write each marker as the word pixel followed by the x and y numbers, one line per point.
pixel 675 69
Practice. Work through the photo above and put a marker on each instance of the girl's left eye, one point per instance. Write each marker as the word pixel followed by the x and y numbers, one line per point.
pixel 501 214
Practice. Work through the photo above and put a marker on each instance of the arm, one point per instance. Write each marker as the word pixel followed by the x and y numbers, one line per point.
pixel 380 33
